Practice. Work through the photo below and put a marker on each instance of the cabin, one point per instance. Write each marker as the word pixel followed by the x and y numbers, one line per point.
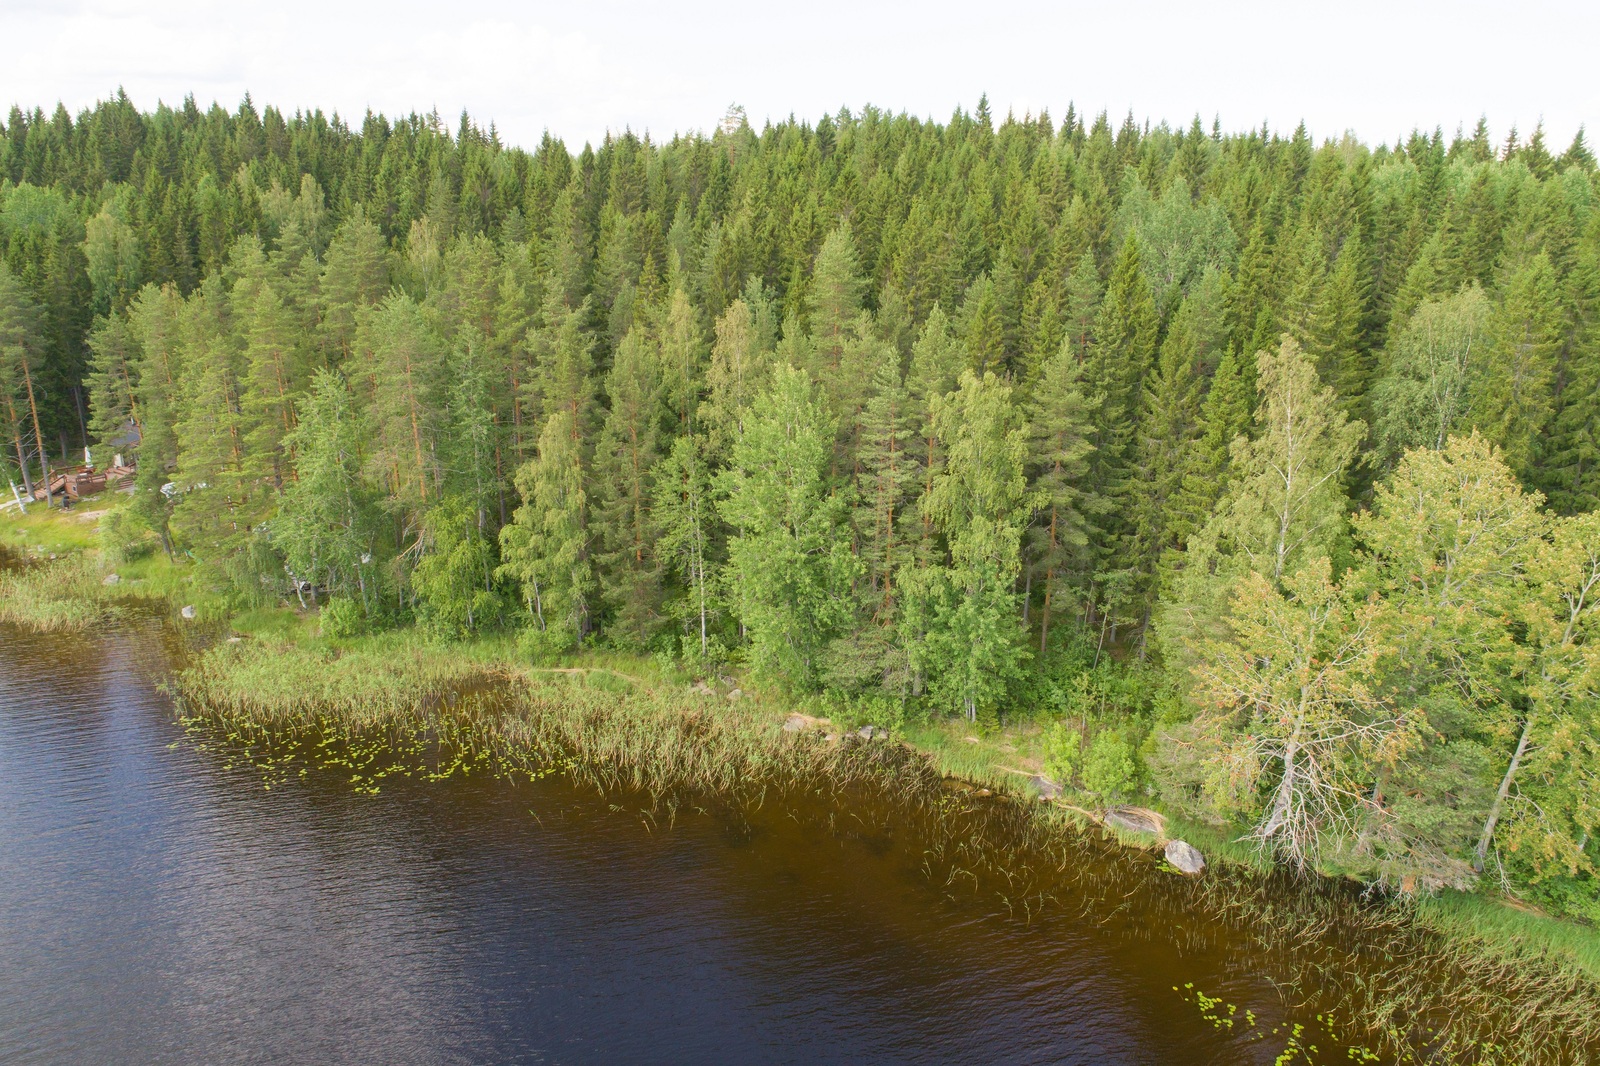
pixel 72 484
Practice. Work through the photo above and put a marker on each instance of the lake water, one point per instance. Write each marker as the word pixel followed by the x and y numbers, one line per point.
pixel 159 905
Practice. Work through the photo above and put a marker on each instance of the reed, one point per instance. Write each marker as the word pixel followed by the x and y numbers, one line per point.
pixel 60 596
pixel 1385 980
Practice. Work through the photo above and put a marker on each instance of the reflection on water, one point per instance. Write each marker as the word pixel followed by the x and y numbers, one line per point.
pixel 159 905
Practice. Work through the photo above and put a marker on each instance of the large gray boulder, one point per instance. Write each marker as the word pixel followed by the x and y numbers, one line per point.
pixel 1185 856
pixel 188 612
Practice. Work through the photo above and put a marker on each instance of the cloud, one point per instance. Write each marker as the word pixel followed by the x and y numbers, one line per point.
pixel 582 69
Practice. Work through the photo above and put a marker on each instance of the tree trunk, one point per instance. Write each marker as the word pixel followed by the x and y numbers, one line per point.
pixel 1489 824
pixel 38 437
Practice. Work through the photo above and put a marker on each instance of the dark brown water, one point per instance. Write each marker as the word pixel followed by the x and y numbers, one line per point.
pixel 159 905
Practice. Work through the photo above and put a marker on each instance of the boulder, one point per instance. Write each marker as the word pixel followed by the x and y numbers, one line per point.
pixel 188 612
pixel 872 732
pixel 796 723
pixel 1185 857
pixel 1048 789
pixel 111 579
pixel 736 695
pixel 1135 820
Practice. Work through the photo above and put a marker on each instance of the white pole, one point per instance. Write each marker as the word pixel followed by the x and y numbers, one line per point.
pixel 20 505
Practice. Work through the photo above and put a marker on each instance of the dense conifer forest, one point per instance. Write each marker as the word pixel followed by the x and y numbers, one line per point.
pixel 1262 472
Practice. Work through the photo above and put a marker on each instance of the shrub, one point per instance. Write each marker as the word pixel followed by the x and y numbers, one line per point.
pixel 1063 753
pixel 1110 769
pixel 342 618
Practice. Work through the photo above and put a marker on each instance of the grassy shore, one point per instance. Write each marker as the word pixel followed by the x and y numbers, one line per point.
pixel 629 724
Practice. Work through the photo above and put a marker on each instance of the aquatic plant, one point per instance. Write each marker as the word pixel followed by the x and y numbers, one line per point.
pixel 59 596
pixel 1399 989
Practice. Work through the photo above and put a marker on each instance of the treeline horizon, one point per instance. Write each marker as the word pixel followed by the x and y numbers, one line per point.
pixel 1263 472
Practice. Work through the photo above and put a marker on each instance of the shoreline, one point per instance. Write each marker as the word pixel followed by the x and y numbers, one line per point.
pixel 621 723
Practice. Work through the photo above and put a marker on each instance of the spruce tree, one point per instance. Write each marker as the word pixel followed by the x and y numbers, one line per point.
pixel 1123 352
pixel 545 549
pixel 324 524
pixel 1514 396
pixel 629 448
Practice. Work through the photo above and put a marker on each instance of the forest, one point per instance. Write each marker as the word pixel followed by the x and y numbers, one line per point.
pixel 1261 473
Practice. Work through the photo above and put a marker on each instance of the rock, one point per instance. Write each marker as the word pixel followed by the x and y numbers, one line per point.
pixel 1048 789
pixel 872 732
pixel 235 640
pixel 1135 820
pixel 188 612
pixel 1185 856
pixel 702 689
pixel 735 695
pixel 970 740
pixel 796 723
pixel 111 579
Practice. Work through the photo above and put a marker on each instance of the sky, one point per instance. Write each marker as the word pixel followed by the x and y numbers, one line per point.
pixel 1379 69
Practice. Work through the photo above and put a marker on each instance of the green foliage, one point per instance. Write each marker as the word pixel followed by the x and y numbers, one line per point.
pixel 427 373
pixel 1109 768
pixel 1063 753
pixel 341 619
pixel 790 558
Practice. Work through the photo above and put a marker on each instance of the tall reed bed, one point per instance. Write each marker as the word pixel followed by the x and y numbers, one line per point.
pixel 1391 984
pixel 61 596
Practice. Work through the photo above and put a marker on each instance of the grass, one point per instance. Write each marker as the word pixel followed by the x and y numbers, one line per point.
pixel 63 596
pixel 1506 932
pixel 42 532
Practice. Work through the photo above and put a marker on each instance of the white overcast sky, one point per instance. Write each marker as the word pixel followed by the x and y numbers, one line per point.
pixel 580 69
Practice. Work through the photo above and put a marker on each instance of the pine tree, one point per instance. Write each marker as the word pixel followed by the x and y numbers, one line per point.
pixel 274 376
pixel 833 297
pixel 741 366
pixel 936 364
pixel 1083 306
pixel 683 359
pixel 219 500
pixel 112 407
pixel 884 475
pixel 1059 434
pixel 20 361
pixel 355 278
pixel 399 365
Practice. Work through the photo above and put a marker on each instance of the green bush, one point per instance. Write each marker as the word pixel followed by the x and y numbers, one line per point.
pixel 1110 769
pixel 1063 753
pixel 342 619
pixel 123 538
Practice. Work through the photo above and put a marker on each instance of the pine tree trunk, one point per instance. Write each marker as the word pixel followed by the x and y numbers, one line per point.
pixel 38 437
